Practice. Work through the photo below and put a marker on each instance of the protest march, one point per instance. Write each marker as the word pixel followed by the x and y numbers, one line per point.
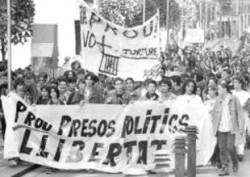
pixel 124 98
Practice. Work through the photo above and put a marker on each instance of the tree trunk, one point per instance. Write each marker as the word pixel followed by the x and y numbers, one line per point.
pixel 3 51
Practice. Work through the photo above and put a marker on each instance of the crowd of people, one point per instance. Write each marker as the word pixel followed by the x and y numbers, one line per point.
pixel 221 80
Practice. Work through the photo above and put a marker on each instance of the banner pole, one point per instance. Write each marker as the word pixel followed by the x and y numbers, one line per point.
pixel 9 43
pixel 144 11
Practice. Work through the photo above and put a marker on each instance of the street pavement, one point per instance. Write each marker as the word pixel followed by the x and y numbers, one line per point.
pixel 207 171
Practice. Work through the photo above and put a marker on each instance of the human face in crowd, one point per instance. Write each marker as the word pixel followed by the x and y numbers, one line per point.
pixel 62 86
pixel 89 82
pixel 211 82
pixel 129 85
pixel 151 88
pixel 81 86
pixel 164 88
pixel 198 91
pixel 41 80
pixel 237 85
pixel 20 90
pixel 224 75
pixel 211 92
pixel 80 76
pixel 44 93
pixel 189 88
pixel 72 86
pixel 221 90
pixel 70 74
pixel 53 94
pixel 119 86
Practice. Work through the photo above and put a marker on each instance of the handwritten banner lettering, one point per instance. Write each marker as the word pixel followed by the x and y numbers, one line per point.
pixel 110 138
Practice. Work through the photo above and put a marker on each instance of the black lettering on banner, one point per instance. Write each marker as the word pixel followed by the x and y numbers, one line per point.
pixel 183 120
pixel 76 123
pixel 145 32
pixel 24 148
pixel 165 120
pixel 129 146
pixel 142 159
pixel 108 26
pixel 158 143
pixel 84 128
pixel 94 19
pixel 30 117
pixel 64 121
pixel 89 40
pixel 95 152
pixel 125 51
pixel 172 119
pixel 20 107
pixel 46 127
pixel 155 120
pixel 42 152
pixel 39 123
pixel 128 124
pixel 137 130
pixel 111 128
pixel 130 34
pixel 147 121
pixel 59 150
pixel 102 128
pixel 114 151
pixel 109 64
pixel 81 146
pixel 92 128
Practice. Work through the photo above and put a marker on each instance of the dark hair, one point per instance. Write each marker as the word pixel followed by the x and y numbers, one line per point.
pixel 45 87
pixel 166 81
pixel 176 79
pixel 92 77
pixel 56 90
pixel 19 81
pixel 81 81
pixel 130 79
pixel 30 75
pixel 151 81
pixel 73 64
pixel 72 80
pixel 186 84
pixel 241 81
pixel 80 71
pixel 225 84
pixel 62 79
pixel 118 79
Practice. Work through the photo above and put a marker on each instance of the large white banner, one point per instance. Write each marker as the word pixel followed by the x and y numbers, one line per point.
pixel 110 138
pixel 116 51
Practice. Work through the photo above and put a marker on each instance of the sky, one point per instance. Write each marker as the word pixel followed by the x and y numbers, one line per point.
pixel 61 12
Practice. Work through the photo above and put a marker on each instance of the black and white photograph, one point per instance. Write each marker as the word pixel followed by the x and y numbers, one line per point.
pixel 124 88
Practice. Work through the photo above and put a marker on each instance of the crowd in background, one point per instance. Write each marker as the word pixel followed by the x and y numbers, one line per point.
pixel 206 76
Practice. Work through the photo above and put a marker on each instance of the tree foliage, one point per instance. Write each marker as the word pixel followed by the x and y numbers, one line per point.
pixel 22 13
pixel 129 13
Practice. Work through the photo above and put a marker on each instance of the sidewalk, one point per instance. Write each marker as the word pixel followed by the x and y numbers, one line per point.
pixel 207 171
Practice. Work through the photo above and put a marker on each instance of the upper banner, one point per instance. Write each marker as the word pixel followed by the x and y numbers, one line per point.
pixel 110 138
pixel 116 51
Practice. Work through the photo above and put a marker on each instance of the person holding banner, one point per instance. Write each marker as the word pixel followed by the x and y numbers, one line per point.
pixel 118 95
pixel 151 87
pixel 227 122
pixel 19 89
pixel 165 86
pixel 78 96
pixel 54 96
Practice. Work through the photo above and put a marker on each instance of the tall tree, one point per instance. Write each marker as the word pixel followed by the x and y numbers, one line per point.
pixel 22 13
